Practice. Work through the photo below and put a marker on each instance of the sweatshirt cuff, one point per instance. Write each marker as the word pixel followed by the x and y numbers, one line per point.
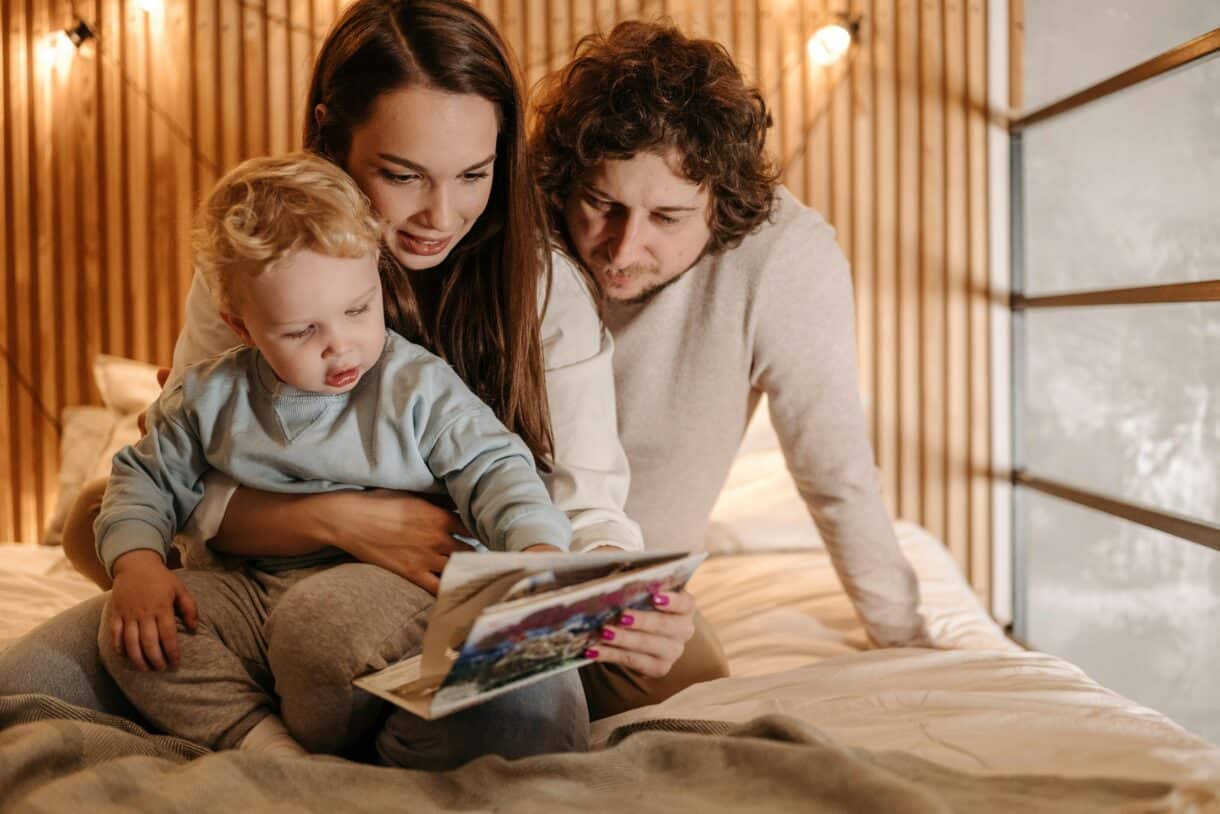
pixel 607 533
pixel 126 536
pixel 532 532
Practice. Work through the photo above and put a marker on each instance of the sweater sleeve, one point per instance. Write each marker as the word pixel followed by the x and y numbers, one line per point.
pixel 589 477
pixel 154 485
pixel 487 470
pixel 805 361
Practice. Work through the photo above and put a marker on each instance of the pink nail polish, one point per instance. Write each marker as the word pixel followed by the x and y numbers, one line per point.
pixel 626 620
pixel 608 635
pixel 590 653
pixel 660 600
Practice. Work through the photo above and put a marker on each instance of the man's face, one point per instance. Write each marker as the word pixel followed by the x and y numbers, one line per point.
pixel 638 224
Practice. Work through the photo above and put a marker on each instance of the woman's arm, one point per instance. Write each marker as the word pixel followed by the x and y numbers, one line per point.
pixel 401 532
pixel 589 475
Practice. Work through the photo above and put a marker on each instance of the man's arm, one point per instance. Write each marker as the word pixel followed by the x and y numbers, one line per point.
pixel 805 361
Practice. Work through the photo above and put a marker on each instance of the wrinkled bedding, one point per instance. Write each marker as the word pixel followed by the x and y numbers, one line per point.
pixel 979 705
pixel 773 764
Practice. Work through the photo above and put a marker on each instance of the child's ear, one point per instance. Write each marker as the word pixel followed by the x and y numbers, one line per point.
pixel 238 326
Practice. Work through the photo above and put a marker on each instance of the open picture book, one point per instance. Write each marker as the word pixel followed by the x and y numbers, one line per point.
pixel 503 621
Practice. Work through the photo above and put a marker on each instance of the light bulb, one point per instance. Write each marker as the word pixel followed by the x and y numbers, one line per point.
pixel 829 43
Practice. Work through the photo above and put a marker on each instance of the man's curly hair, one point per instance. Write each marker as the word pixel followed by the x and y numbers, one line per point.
pixel 648 87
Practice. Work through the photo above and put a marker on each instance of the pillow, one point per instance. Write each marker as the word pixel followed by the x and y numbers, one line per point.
pixel 127 386
pixel 84 433
pixel 90 436
pixel 759 509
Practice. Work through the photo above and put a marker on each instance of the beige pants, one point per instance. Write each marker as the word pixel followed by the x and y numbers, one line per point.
pixel 610 689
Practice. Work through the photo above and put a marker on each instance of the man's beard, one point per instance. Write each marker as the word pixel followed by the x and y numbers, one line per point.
pixel 649 291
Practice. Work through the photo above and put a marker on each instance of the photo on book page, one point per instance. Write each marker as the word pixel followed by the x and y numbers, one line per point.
pixel 529 633
pixel 507 645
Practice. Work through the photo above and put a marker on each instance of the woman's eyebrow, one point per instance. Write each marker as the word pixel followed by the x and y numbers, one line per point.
pixel 411 165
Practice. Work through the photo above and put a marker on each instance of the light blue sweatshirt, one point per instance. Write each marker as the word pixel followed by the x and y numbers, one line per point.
pixel 410 424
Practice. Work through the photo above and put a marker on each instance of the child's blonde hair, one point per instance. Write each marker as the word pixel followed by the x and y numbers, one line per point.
pixel 269 208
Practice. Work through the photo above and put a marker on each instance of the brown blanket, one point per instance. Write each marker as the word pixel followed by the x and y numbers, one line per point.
pixel 59 758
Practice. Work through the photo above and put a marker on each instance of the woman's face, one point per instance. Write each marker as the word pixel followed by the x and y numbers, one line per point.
pixel 425 159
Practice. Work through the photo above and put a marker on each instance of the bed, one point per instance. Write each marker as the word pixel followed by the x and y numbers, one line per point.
pixel 978 708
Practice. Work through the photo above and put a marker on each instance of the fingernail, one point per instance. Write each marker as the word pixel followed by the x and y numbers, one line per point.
pixel 660 600
pixel 626 620
pixel 590 653
pixel 608 635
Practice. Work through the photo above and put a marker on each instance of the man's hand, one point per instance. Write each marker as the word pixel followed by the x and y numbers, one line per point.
pixel 141 421
pixel 649 642
pixel 143 601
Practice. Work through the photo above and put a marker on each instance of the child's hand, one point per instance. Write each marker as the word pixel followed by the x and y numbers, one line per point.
pixel 143 601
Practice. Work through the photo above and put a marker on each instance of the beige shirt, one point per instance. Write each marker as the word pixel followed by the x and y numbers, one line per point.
pixel 589 477
pixel 775 316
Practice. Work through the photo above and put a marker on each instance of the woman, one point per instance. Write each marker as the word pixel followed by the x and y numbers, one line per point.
pixel 418 102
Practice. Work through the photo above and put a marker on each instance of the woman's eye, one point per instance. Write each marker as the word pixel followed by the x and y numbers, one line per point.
pixel 475 177
pixel 355 312
pixel 399 178
pixel 665 219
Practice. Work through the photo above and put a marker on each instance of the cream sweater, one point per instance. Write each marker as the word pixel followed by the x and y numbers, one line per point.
pixel 772 316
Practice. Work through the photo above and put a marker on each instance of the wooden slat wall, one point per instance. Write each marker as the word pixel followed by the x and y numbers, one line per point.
pixel 103 153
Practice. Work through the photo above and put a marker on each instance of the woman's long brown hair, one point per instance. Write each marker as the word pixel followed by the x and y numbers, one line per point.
pixel 486 323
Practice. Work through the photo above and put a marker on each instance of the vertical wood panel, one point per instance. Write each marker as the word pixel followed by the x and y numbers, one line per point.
pixel 957 285
pixel 890 145
pixel 885 221
pixel 860 243
pixel 907 236
pixel 932 264
pixel 42 294
pixel 8 474
pixel 978 342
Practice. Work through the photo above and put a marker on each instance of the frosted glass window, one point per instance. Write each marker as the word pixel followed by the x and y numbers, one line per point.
pixel 1134 608
pixel 1072 44
pixel 1125 191
pixel 1125 400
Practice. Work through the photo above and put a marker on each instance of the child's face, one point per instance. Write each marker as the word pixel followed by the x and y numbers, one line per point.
pixel 318 320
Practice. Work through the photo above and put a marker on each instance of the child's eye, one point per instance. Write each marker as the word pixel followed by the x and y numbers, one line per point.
pixel 355 312
pixel 301 334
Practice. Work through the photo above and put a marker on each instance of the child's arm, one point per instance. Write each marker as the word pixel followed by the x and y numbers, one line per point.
pixel 142 604
pixel 490 475
pixel 154 485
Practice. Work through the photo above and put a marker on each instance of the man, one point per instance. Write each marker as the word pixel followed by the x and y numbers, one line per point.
pixel 718 287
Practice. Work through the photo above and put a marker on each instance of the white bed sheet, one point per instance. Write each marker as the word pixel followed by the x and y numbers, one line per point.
pixel 36 582
pixel 983 704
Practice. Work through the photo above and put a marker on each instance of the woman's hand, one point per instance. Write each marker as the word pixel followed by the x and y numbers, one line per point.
pixel 400 532
pixel 649 642
pixel 404 533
